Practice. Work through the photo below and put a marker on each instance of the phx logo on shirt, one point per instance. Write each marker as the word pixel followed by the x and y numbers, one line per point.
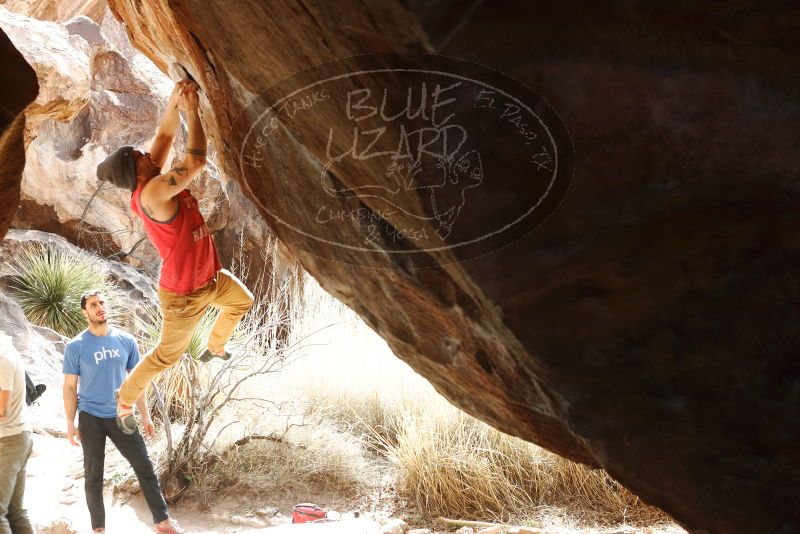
pixel 104 354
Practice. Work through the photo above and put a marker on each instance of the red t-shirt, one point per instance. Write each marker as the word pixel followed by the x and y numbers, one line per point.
pixel 189 257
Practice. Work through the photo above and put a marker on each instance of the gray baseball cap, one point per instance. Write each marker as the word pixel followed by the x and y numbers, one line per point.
pixel 119 168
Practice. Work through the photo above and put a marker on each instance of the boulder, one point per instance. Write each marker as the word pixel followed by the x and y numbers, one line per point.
pixel 122 97
pixel 658 297
pixel 18 90
pixel 394 525
pixel 58 10
pixel 648 325
pixel 42 352
pixel 63 84
pixel 37 345
pixel 86 28
pixel 66 143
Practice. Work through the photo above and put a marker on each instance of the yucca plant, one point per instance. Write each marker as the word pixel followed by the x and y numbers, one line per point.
pixel 48 283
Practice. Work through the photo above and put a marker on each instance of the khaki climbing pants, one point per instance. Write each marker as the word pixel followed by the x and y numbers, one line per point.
pixel 181 315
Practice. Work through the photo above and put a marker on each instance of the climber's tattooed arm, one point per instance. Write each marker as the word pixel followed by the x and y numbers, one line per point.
pixel 169 178
pixel 181 170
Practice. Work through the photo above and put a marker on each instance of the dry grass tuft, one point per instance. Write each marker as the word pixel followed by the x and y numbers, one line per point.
pixel 454 465
pixel 305 461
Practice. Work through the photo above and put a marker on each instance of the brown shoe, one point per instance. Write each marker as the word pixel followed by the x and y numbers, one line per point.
pixel 169 526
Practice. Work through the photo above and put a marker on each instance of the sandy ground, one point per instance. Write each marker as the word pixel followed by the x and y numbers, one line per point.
pixel 55 500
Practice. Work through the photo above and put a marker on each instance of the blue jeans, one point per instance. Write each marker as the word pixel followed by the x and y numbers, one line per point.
pixel 14 453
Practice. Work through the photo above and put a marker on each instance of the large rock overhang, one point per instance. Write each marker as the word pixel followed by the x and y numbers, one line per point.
pixel 649 325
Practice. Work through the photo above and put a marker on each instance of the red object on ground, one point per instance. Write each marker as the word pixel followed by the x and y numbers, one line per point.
pixel 307 513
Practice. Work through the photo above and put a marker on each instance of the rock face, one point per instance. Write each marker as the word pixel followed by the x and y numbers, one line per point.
pixel 97 96
pixel 42 348
pixel 660 296
pixel 60 61
pixel 58 10
pixel 19 88
pixel 92 101
pixel 649 325
pixel 42 351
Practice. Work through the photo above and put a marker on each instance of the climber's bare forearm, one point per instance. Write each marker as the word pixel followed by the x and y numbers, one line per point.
pixel 165 134
pixel 171 121
pixel 197 144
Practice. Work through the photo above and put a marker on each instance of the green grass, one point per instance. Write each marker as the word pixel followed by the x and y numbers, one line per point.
pixel 48 284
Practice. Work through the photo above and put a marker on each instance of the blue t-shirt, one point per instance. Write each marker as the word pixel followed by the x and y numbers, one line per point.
pixel 101 363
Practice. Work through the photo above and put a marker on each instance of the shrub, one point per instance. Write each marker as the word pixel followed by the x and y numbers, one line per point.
pixel 301 462
pixel 48 283
pixel 175 384
pixel 451 464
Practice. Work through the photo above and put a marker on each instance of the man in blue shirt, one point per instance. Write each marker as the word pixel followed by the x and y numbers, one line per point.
pixel 98 359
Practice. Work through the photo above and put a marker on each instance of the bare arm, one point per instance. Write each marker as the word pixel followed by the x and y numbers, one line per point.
pixel 165 135
pixel 144 413
pixel 168 126
pixel 141 407
pixel 7 372
pixel 161 189
pixel 5 401
pixel 70 392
